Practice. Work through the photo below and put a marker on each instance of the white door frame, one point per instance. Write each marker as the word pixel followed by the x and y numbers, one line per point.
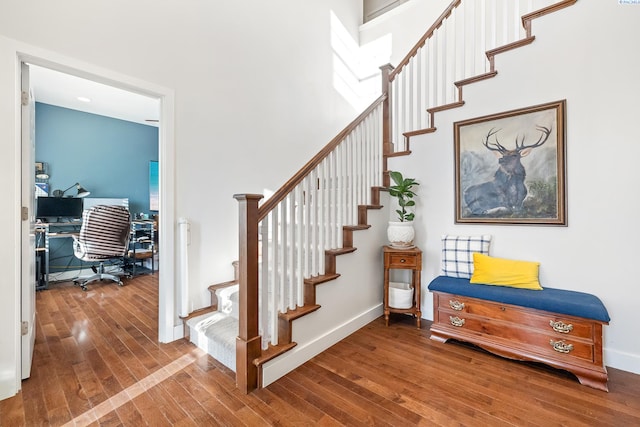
pixel 28 277
pixel 166 151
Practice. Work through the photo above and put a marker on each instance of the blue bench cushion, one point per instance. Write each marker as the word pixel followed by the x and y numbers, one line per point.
pixel 572 303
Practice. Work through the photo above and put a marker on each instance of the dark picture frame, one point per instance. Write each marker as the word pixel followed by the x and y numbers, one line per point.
pixel 510 167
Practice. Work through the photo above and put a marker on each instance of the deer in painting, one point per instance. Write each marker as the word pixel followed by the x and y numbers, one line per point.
pixel 506 191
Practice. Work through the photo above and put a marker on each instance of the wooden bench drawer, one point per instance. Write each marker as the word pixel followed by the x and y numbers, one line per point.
pixel 549 322
pixel 539 341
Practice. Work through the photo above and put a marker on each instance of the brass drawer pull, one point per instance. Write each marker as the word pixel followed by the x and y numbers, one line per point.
pixel 456 321
pixel 560 346
pixel 403 260
pixel 561 327
pixel 456 305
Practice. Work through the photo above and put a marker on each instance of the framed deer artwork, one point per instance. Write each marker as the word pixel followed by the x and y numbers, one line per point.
pixel 510 167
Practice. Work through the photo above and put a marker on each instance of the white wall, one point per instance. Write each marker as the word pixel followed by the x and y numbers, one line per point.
pixel 588 55
pixel 407 23
pixel 254 101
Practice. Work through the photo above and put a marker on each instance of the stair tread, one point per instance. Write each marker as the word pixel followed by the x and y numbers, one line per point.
pixel 419 132
pixel 222 285
pixel 398 153
pixel 316 280
pixel 445 107
pixel 298 312
pixel 357 227
pixel 272 352
pixel 509 46
pixel 199 313
pixel 340 251
pixel 216 334
pixel 476 78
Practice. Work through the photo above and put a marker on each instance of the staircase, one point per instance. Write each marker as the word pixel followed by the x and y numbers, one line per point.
pixel 289 243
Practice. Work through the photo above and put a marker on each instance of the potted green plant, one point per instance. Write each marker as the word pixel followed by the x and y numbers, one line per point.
pixel 401 232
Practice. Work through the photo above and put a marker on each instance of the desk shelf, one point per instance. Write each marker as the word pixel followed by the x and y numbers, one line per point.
pixel 141 248
pixel 44 233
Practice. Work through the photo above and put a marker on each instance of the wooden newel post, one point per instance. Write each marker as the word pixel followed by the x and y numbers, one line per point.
pixel 387 144
pixel 248 346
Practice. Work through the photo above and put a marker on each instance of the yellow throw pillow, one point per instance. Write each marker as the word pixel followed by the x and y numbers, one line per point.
pixel 505 272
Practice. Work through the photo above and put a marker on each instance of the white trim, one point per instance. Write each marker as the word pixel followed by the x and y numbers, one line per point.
pixel 166 229
pixel 17 233
pixel 178 332
pixel 286 363
pixel 387 15
pixel 621 360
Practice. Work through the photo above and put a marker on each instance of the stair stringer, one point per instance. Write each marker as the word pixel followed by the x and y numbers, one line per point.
pixel 357 290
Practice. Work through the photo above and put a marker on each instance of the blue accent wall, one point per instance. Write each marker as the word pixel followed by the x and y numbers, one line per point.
pixel 109 157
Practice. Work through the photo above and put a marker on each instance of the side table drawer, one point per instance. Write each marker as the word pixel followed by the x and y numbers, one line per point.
pixel 402 261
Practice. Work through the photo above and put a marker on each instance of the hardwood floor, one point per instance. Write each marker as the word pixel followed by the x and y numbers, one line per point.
pixel 97 362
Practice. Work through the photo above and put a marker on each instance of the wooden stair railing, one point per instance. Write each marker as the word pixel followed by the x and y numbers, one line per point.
pixel 289 244
pixel 431 76
pixel 428 80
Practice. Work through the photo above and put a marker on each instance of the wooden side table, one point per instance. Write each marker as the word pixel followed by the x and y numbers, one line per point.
pixel 403 259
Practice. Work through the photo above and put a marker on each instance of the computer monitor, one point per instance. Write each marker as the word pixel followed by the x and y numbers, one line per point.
pixel 60 209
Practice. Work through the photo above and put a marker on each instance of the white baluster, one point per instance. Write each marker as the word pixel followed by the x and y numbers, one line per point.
pixel 322 215
pixel 306 256
pixel 339 193
pixel 274 280
pixel 315 203
pixel 291 250
pixel 299 227
pixel 334 200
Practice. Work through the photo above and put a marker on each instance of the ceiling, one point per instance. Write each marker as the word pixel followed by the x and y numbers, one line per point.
pixel 63 90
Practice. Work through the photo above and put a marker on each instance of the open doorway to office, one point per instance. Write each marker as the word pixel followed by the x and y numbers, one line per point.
pixel 105 140
pixel 164 99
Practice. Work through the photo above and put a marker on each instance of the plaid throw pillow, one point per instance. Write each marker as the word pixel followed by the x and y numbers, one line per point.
pixel 457 254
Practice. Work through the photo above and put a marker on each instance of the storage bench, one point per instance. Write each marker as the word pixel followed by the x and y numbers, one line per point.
pixel 556 327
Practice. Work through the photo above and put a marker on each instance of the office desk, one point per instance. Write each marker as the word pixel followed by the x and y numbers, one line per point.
pixel 44 232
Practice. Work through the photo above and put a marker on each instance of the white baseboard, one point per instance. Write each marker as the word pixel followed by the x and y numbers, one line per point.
pixel 178 332
pixel 623 361
pixel 286 363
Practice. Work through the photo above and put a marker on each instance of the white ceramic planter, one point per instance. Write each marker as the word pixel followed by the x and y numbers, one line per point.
pixel 401 234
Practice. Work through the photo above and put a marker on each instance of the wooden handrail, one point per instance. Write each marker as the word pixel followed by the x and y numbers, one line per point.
pixel 424 38
pixel 296 179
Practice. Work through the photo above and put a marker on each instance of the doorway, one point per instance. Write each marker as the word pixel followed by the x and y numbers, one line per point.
pixel 164 99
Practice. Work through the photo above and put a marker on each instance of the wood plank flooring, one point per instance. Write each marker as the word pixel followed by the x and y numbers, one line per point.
pixel 97 363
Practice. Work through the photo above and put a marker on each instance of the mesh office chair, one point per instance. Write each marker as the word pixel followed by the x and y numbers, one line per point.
pixel 104 235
